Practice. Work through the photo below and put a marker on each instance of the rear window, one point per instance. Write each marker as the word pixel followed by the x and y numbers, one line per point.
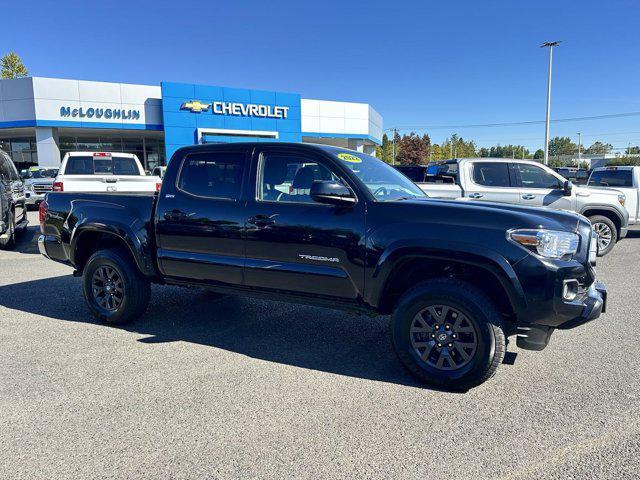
pixel 415 174
pixel 611 178
pixel 90 165
pixel 213 175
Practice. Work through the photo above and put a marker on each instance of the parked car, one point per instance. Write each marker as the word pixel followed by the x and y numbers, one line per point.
pixel 578 176
pixel 349 232
pixel 530 183
pixel 159 172
pixel 103 172
pixel 13 211
pixel 415 173
pixel 625 179
pixel 37 183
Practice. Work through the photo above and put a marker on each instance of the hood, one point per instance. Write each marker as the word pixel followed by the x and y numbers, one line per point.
pixel 494 215
pixel 597 190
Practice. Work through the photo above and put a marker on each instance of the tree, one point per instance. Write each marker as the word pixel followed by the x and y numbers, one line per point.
pixel 561 146
pixel 599 148
pixel 12 66
pixel 633 150
pixel 385 151
pixel 413 149
pixel 508 151
pixel 539 154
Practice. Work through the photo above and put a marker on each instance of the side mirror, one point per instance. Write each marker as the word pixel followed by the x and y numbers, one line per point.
pixel 567 188
pixel 331 193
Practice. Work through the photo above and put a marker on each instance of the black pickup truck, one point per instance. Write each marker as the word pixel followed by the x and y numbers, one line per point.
pixel 333 227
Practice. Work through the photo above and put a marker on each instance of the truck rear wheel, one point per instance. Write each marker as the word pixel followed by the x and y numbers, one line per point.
pixel 448 334
pixel 114 289
pixel 607 233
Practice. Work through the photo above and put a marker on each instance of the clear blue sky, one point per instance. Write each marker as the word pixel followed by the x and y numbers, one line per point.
pixel 417 62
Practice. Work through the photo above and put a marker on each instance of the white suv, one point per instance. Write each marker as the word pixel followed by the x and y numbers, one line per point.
pixel 103 172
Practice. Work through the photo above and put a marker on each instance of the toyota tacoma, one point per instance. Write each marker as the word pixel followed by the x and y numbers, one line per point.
pixel 337 228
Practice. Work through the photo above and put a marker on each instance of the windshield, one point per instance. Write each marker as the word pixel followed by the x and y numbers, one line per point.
pixel 44 173
pixel 382 180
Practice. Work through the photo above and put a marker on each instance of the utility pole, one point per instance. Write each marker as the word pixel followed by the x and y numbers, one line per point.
pixel 546 133
pixel 579 147
pixel 393 159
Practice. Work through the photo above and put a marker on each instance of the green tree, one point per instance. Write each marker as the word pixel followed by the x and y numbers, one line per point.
pixel 561 146
pixel 539 154
pixel 599 148
pixel 633 150
pixel 385 151
pixel 624 161
pixel 12 66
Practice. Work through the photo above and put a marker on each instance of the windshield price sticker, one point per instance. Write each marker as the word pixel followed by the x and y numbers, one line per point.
pixel 349 158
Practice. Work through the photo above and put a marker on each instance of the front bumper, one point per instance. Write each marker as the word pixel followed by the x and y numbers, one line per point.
pixel 623 232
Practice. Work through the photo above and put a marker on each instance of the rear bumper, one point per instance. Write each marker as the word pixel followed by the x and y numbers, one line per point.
pixel 51 248
pixel 34 198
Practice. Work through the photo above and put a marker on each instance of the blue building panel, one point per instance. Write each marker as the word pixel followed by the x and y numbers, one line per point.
pixel 187 107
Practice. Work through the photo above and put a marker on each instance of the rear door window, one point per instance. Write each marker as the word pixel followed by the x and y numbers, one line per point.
pixel 213 175
pixel 491 174
pixel 611 178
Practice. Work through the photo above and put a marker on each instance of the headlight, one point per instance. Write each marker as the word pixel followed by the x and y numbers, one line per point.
pixel 546 243
pixel 622 199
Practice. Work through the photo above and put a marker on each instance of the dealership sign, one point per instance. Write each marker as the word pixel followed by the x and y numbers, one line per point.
pixel 108 113
pixel 239 109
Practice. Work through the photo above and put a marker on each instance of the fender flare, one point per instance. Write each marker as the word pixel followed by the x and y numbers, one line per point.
pixel 607 208
pixel 458 252
pixel 126 228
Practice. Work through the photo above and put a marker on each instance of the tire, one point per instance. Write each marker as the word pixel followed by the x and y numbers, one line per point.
pixel 9 242
pixel 604 225
pixel 471 318
pixel 129 291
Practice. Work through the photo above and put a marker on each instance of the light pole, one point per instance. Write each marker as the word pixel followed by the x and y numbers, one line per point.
pixel 546 133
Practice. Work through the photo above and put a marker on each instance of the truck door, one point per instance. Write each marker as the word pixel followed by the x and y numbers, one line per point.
pixel 491 181
pixel 541 188
pixel 200 217
pixel 294 244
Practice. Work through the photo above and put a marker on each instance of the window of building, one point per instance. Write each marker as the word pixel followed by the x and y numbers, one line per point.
pixel 491 174
pixel 536 177
pixel 213 175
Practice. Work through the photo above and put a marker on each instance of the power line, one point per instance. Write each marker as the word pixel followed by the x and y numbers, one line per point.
pixel 514 124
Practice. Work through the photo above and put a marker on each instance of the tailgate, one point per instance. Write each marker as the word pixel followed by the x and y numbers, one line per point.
pixel 109 183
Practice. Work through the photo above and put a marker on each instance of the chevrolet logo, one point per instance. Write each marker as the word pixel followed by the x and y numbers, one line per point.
pixel 195 106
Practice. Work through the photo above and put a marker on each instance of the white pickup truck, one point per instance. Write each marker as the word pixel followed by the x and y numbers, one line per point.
pixel 624 179
pixel 532 184
pixel 103 172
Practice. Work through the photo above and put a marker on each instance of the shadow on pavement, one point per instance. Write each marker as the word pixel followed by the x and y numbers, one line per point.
pixel 635 233
pixel 27 240
pixel 302 336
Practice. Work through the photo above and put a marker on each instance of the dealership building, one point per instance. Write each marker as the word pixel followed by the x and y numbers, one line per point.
pixel 43 118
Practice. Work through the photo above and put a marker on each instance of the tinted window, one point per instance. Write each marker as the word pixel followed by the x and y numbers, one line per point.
pixel 612 178
pixel 288 178
pixel 491 174
pixel 535 177
pixel 215 175
pixel 90 165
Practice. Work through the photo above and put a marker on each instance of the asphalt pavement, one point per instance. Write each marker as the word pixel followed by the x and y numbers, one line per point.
pixel 202 387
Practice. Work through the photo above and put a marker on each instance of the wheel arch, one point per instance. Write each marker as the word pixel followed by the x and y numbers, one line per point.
pixel 605 211
pixel 403 265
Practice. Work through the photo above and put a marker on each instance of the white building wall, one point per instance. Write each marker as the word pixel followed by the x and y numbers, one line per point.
pixel 340 118
pixel 16 100
pixel 51 94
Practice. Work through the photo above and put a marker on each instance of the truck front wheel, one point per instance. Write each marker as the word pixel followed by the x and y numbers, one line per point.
pixel 114 289
pixel 448 334
pixel 607 233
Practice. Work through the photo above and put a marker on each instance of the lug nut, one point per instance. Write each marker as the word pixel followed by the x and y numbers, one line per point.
pixel 433 335
pixel 447 327
pixel 454 336
pixel 450 345
pixel 437 326
pixel 439 345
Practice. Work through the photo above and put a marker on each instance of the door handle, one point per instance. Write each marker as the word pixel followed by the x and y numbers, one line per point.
pixel 174 215
pixel 528 196
pixel 262 220
pixel 475 195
